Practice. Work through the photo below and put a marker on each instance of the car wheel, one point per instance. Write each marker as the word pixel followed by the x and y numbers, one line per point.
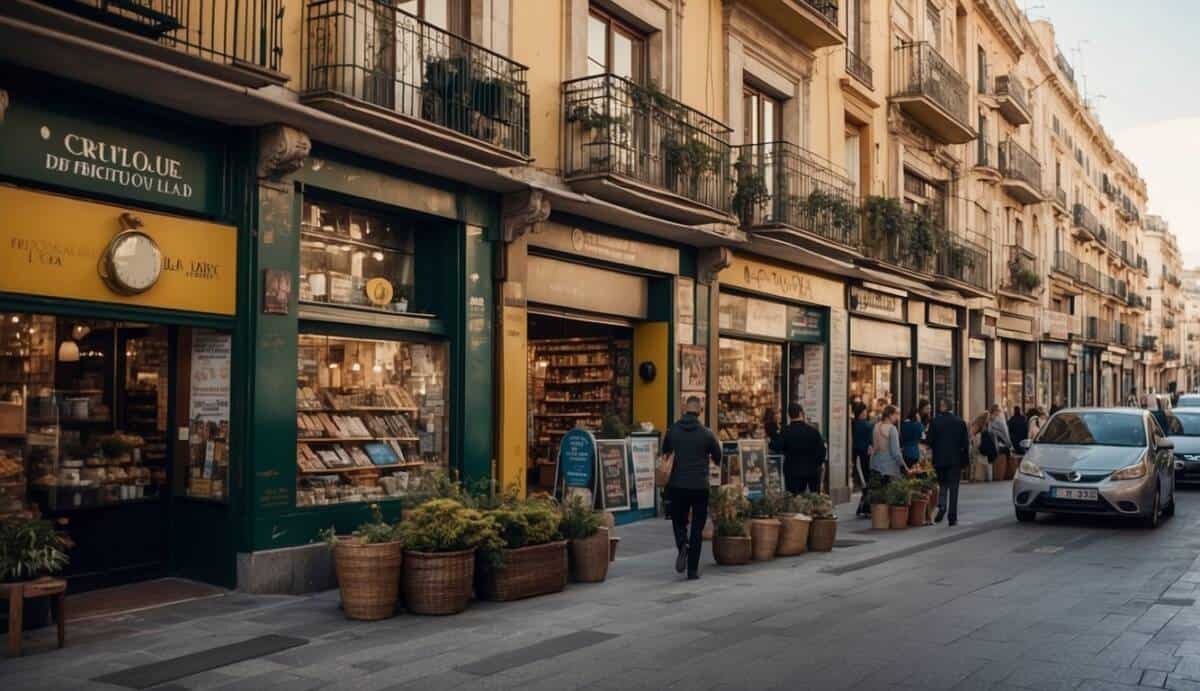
pixel 1024 516
pixel 1151 521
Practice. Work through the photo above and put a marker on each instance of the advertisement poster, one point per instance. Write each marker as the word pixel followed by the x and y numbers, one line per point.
pixel 775 474
pixel 614 474
pixel 753 456
pixel 577 460
pixel 208 411
pixel 693 360
pixel 645 453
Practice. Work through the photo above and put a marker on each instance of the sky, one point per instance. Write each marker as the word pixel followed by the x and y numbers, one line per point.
pixel 1139 63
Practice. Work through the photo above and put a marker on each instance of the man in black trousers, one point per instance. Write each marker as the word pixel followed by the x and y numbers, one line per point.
pixel 803 451
pixel 951 445
pixel 693 447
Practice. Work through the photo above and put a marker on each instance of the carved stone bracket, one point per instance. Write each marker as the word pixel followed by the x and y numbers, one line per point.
pixel 522 211
pixel 281 152
pixel 710 262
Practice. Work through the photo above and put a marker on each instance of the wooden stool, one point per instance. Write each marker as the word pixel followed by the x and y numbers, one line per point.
pixel 17 593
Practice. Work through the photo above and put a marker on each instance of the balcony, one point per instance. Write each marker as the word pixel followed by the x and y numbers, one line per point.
pixel 1170 353
pixel 786 191
pixel 815 22
pixel 1065 67
pixel 1135 301
pixel 932 93
pixel 1021 174
pixel 917 243
pixel 228 40
pixel 985 158
pixel 1066 264
pixel 964 261
pixel 1168 322
pixel 1149 342
pixel 1108 188
pixel 1023 278
pixel 1090 277
pixel 1085 223
pixel 1092 329
pixel 369 62
pixel 1012 100
pixel 859 68
pixel 1125 335
pixel 635 146
pixel 1060 201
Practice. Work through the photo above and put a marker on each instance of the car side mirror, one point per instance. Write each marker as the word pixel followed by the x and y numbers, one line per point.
pixel 1025 444
pixel 1165 444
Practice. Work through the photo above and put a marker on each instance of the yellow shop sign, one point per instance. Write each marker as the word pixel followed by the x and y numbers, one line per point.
pixel 54 246
pixel 790 284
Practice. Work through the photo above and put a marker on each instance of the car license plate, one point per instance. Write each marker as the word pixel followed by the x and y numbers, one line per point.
pixel 1075 493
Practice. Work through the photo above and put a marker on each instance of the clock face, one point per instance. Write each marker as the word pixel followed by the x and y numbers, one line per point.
pixel 136 261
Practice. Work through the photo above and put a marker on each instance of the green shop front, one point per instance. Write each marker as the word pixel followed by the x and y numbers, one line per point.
pixel 121 384
pixel 370 338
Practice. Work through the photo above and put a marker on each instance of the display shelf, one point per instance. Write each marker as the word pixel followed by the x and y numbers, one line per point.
pixel 359 409
pixel 334 440
pixel 355 469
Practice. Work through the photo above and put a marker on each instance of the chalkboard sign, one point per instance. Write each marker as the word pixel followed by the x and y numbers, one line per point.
pixel 577 460
pixel 753 456
pixel 775 474
pixel 614 473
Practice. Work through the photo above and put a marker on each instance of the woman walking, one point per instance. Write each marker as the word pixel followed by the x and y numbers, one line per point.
pixel 886 458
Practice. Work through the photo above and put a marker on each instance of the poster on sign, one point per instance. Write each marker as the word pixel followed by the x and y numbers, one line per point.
pixel 614 474
pixel 753 456
pixel 644 452
pixel 775 474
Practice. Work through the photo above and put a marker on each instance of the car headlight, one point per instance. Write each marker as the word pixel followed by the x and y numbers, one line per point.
pixel 1031 469
pixel 1130 472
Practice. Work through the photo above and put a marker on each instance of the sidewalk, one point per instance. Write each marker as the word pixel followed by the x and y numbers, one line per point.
pixel 634 615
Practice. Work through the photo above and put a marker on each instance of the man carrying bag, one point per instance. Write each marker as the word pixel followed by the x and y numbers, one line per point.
pixel 688 449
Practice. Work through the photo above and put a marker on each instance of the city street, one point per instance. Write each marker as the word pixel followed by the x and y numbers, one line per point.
pixel 989 604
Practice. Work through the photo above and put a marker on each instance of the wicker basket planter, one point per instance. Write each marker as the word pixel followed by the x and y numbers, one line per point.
pixel 822 534
pixel 764 538
pixel 898 517
pixel 880 519
pixel 731 551
pixel 438 582
pixel 525 572
pixel 918 510
pixel 369 577
pixel 589 558
pixel 793 535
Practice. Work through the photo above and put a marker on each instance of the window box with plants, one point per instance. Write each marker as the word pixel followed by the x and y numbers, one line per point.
pixel 794 523
pixel 440 539
pixel 823 532
pixel 764 526
pixel 731 545
pixel 368 568
pixel 587 541
pixel 533 559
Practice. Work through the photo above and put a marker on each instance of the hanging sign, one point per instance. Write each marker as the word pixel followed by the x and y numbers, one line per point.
pixel 804 324
pixel 577 460
pixel 876 304
pixel 614 473
pixel 644 451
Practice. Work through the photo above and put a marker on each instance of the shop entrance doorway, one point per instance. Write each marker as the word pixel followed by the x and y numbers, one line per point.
pixel 875 378
pixel 580 374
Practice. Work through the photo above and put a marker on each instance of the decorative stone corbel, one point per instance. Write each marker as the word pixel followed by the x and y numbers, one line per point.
pixel 711 261
pixel 281 152
pixel 3 104
pixel 521 211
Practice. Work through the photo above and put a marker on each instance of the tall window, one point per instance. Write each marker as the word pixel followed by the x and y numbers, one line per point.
pixel 762 115
pixel 924 196
pixel 981 59
pixel 854 27
pixel 933 26
pixel 615 48
pixel 452 15
pixel 854 156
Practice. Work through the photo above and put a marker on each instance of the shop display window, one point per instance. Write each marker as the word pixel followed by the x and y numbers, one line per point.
pixel 355 257
pixel 750 388
pixel 371 416
pixel 872 379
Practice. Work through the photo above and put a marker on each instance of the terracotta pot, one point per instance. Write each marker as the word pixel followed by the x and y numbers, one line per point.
pixel 732 551
pixel 932 508
pixel 589 558
pixel 438 582
pixel 898 516
pixel 764 538
pixel 822 534
pixel 918 511
pixel 793 535
pixel 879 517
pixel 368 577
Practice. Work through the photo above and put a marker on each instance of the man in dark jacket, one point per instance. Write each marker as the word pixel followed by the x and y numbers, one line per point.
pixel 803 452
pixel 951 445
pixel 693 446
pixel 1018 431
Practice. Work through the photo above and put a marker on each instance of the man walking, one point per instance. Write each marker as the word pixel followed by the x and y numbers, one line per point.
pixel 692 447
pixel 803 452
pixel 951 445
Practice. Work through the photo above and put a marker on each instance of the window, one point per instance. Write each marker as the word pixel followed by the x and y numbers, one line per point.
pixel 854 157
pixel 1099 428
pixel 615 48
pixel 762 117
pixel 983 79
pixel 933 26
pixel 449 15
pixel 921 195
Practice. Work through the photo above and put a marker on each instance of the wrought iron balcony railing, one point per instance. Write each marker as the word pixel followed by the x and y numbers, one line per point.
pixel 1149 342
pixel 962 260
pixel 234 32
pixel 1092 329
pixel 1085 219
pixel 371 51
pixel 983 152
pixel 826 8
pixel 859 68
pixel 1126 335
pixel 1065 66
pixel 1170 353
pixel 922 72
pixel 1023 276
pixel 781 184
pixel 1060 196
pixel 1066 263
pixel 616 127
pixel 1007 85
pixel 1018 164
pixel 1090 276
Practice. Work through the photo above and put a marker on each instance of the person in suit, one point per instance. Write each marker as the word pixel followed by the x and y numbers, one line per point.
pixel 803 451
pixel 951 446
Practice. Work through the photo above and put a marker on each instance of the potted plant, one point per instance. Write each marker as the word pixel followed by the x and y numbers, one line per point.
pixel 764 526
pixel 749 192
pixel 368 568
pixel 794 524
pixel 30 549
pixel 823 532
pixel 918 503
pixel 731 546
pixel 533 560
pixel 880 518
pixel 587 541
pixel 898 493
pixel 440 538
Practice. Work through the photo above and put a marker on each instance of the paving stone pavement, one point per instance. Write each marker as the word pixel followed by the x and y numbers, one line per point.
pixel 990 604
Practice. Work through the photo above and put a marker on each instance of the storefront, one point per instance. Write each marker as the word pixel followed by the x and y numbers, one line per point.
pixel 937 355
pixel 983 361
pixel 1057 366
pixel 881 348
pixel 1017 374
pixel 1089 375
pixel 121 393
pixel 782 340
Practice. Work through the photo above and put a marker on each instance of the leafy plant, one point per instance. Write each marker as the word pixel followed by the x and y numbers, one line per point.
pixel 650 99
pixel 728 509
pixel 898 492
pixel 590 120
pixel 767 505
pixel 750 190
pixel 31 548
pixel 885 218
pixel 534 521
pixel 797 504
pixel 373 532
pixel 922 238
pixel 1025 279
pixel 875 490
pixel 579 520
pixel 820 505
pixel 446 525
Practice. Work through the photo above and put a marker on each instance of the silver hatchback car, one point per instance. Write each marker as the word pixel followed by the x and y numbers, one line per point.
pixel 1100 461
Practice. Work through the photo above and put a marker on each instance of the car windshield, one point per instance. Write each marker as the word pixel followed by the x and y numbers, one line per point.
pixel 1098 428
pixel 1181 424
pixel 1188 402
